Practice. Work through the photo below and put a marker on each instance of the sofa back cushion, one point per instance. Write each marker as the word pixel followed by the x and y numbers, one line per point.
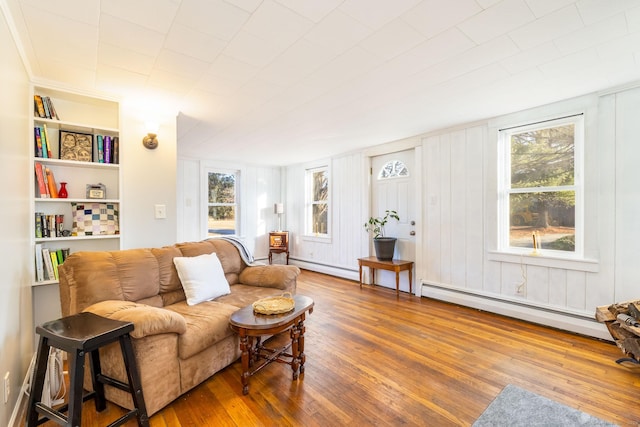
pixel 146 276
pixel 90 277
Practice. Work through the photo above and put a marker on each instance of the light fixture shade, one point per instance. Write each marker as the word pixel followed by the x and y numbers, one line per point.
pixel 278 208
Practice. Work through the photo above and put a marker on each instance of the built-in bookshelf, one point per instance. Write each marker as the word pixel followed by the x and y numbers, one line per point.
pixel 75 139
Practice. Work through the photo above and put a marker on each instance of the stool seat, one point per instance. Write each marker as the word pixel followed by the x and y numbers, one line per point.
pixel 78 335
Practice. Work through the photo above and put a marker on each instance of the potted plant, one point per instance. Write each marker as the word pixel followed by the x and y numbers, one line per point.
pixel 384 246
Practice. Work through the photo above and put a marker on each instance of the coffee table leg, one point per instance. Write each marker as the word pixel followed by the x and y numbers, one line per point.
pixel 245 348
pixel 301 345
pixel 295 352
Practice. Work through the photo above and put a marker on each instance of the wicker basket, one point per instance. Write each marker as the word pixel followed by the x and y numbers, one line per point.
pixel 274 305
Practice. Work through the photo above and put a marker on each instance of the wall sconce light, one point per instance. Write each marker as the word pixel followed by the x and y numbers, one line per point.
pixel 278 208
pixel 151 140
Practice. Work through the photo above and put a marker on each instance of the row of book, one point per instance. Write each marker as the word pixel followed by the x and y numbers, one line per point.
pixel 49 225
pixel 43 108
pixel 47 187
pixel 47 262
pixel 42 142
pixel 108 149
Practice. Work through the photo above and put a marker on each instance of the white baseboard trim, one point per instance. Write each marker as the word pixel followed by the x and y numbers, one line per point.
pixel 344 273
pixel 548 317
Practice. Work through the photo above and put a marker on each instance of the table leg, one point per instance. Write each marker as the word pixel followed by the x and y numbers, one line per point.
pixel 295 350
pixel 301 345
pixel 360 271
pixel 410 277
pixel 373 275
pixel 245 348
pixel 397 282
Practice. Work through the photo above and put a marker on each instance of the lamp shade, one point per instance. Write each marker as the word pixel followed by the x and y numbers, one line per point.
pixel 278 208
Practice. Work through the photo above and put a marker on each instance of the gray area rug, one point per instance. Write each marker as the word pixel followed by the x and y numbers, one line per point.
pixel 515 406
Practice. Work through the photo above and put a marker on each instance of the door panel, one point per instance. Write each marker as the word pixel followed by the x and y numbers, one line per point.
pixel 396 193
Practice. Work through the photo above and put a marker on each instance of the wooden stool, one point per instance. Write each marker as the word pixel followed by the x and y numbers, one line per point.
pixel 77 335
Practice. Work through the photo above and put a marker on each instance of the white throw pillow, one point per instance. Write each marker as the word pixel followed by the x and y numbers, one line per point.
pixel 202 277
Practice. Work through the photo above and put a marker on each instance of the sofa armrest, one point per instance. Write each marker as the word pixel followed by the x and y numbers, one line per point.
pixel 147 320
pixel 271 276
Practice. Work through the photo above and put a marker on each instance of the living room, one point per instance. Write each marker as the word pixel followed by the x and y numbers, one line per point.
pixel 457 249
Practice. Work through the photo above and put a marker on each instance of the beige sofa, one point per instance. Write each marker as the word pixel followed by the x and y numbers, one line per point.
pixel 177 346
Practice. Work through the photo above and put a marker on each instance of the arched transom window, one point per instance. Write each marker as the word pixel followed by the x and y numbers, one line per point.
pixel 393 169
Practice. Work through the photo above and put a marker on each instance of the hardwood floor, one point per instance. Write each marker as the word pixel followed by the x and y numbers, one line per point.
pixel 374 358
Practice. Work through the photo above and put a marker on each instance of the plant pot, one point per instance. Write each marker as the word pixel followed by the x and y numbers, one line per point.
pixel 385 246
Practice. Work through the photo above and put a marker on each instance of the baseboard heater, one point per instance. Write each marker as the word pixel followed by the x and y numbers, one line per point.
pixel 573 321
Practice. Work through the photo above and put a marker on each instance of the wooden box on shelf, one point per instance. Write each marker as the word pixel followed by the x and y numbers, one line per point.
pixel 278 243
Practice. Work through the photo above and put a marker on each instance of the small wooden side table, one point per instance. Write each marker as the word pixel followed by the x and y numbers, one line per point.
pixel 396 265
pixel 251 326
pixel 278 243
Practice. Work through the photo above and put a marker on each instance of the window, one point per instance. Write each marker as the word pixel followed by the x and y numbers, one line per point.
pixel 393 169
pixel 541 191
pixel 317 202
pixel 222 204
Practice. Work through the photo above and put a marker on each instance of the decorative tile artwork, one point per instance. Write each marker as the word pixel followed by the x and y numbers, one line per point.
pixel 94 219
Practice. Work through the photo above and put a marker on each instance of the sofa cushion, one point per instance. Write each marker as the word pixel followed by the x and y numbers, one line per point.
pixel 202 277
pixel 207 323
pixel 146 320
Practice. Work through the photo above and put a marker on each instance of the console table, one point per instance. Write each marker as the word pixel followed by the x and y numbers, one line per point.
pixel 396 265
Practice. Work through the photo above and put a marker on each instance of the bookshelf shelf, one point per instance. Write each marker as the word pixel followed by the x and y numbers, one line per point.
pixel 72 238
pixel 81 114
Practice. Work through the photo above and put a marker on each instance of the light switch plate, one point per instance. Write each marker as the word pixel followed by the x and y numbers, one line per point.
pixel 161 211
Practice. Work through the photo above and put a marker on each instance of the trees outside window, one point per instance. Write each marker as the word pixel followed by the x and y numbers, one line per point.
pixel 222 206
pixel 317 201
pixel 541 189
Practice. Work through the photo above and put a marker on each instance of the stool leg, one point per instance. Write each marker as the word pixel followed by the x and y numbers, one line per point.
pixel 76 378
pixel 134 379
pixel 37 381
pixel 98 386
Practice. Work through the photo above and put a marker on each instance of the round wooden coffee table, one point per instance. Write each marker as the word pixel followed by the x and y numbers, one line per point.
pixel 251 327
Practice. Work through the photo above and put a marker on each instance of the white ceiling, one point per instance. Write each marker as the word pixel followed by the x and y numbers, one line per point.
pixel 286 81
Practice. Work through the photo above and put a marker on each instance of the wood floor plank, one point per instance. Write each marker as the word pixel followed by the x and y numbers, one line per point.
pixel 377 358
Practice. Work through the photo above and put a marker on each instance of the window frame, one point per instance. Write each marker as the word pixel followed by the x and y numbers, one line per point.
pixel 206 204
pixel 309 233
pixel 505 190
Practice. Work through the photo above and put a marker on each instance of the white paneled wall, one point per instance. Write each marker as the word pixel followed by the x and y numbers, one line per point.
pixel 458 258
pixel 460 211
pixel 349 210
pixel 260 188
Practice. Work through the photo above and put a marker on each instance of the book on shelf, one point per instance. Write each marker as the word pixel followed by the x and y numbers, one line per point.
pixel 43 190
pixel 38 106
pixel 46 135
pixel 46 150
pixel 48 225
pixel 54 264
pixel 48 265
pixel 99 139
pixel 107 149
pixel 51 183
pixel 43 107
pixel 38 225
pixel 38 142
pixel 116 150
pixel 39 263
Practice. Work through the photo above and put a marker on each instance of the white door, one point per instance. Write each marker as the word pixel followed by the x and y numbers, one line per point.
pixel 393 187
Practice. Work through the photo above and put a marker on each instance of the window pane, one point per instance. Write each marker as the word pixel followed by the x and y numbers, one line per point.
pixel 543 157
pixel 221 220
pixel 393 169
pixel 222 188
pixel 320 186
pixel 551 215
pixel 320 218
